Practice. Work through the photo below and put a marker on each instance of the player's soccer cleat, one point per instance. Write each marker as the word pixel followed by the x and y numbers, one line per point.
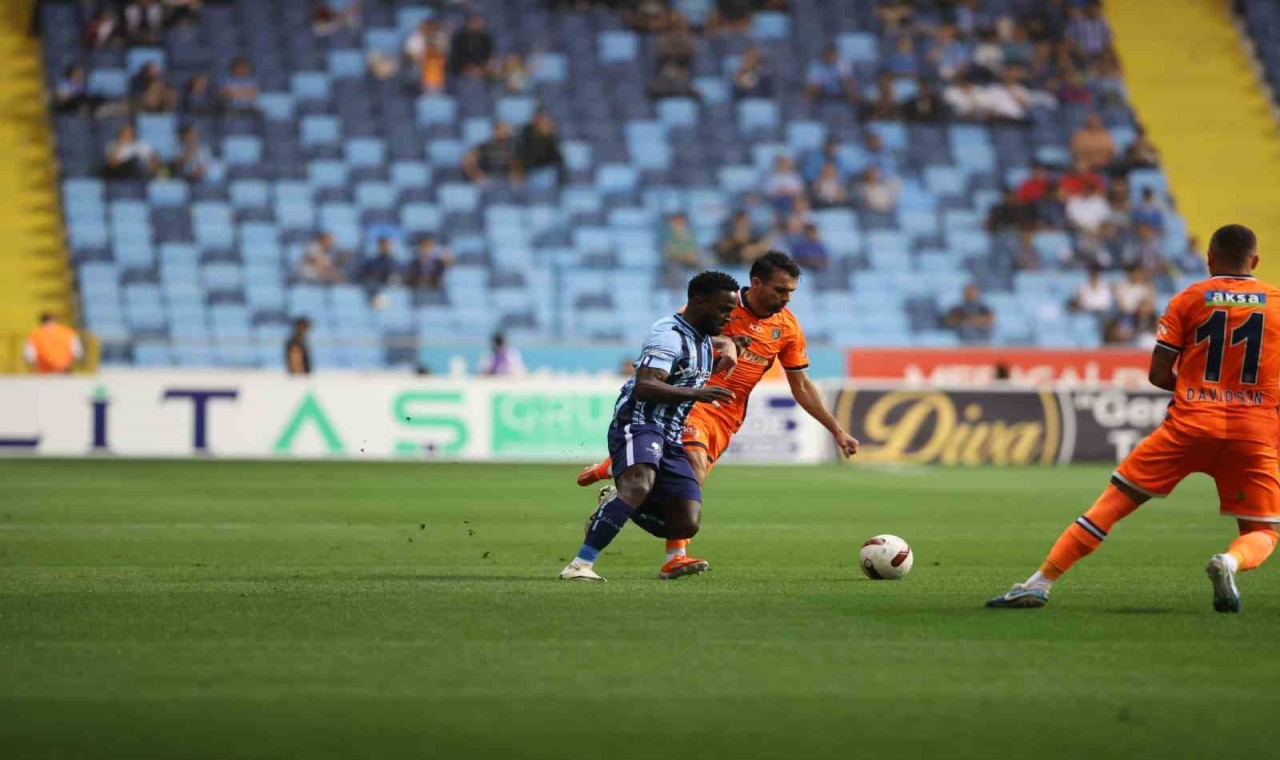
pixel 606 495
pixel 679 567
pixel 589 475
pixel 1226 597
pixel 576 572
pixel 1020 597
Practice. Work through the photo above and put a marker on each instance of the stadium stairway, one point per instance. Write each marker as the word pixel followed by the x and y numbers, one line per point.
pixel 33 262
pixel 1194 88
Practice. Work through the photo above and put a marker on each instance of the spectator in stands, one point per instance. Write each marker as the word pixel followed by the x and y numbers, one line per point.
pixel 830 78
pixel 1094 296
pixel 194 159
pixel 1010 213
pixel 925 107
pixel 427 52
pixel 239 91
pixel 751 79
pixel 129 157
pixel 428 268
pixel 731 17
pixel 964 99
pixel 1149 211
pixel 680 250
pixel 327 17
pixel 879 155
pixel 1108 81
pixel 1026 257
pixel 1135 288
pixel 950 55
pixel 971 320
pixel 809 251
pixel 877 192
pixel 103 31
pixel 1092 144
pixel 677 44
pixel 673 81
pixel 829 153
pixel 150 93
pixel 884 107
pixel 1087 212
pixel 471 50
pixel 381 270
pixel 1139 154
pixel 988 55
pixel 144 22
pixel 1015 43
pixel 828 189
pixel 647 16
pixel 502 360
pixel 513 75
pixel 1136 328
pixel 71 93
pixel 1190 261
pixel 51 348
pixel 495 157
pixel 1121 206
pixel 738 244
pixel 792 223
pixel 198 98
pixel 1073 89
pixel 1080 180
pixel 297 354
pixel 1088 35
pixel 784 184
pixel 321 261
pixel 1145 250
pixel 902 61
pixel 1039 192
pixel 1103 248
pixel 539 147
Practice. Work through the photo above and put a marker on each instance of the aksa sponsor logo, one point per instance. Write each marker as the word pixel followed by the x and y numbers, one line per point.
pixel 1230 299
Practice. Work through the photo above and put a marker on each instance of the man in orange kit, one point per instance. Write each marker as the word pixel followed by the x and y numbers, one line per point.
pixel 1223 337
pixel 765 331
pixel 51 348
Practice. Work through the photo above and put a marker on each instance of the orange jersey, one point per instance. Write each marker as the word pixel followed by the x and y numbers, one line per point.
pixel 776 338
pixel 1226 332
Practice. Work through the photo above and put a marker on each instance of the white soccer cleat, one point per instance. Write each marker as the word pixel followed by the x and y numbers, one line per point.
pixel 607 494
pixel 576 572
pixel 1226 597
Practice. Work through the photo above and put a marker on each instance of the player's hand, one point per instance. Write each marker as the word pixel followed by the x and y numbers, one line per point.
pixel 714 395
pixel 728 358
pixel 847 444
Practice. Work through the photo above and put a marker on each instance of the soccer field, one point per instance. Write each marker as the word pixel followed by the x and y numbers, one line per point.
pixel 235 610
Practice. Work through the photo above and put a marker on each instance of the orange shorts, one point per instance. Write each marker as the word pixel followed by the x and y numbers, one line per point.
pixel 705 429
pixel 1244 471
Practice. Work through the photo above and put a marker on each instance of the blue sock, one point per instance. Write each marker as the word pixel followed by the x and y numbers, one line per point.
pixel 605 525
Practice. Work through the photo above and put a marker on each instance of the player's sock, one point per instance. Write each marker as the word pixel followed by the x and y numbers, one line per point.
pixel 1255 544
pixel 605 525
pixel 1087 533
pixel 676 547
pixel 1038 580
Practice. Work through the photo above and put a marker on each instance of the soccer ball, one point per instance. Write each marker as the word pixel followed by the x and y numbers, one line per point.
pixel 885 558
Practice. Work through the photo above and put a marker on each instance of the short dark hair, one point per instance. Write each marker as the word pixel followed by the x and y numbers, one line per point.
pixel 709 283
pixel 766 265
pixel 1233 244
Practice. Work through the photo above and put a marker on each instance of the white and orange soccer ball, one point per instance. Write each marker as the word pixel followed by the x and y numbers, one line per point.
pixel 886 558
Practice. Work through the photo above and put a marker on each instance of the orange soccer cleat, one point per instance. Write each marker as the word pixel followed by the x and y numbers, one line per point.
pixel 594 473
pixel 679 567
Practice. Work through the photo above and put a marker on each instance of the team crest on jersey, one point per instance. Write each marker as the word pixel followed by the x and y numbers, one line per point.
pixel 777 333
pixel 1219 298
pixel 656 448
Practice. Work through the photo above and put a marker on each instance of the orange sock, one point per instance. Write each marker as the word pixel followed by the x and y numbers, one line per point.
pixel 1256 542
pixel 1087 532
pixel 676 547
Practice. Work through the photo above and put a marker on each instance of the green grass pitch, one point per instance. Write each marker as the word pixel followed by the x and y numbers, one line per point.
pixel 236 610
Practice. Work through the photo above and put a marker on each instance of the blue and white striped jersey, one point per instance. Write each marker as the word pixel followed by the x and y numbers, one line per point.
pixel 686 356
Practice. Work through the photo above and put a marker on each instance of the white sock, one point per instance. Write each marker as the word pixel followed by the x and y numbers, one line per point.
pixel 673 553
pixel 1230 561
pixel 1037 579
pixel 579 562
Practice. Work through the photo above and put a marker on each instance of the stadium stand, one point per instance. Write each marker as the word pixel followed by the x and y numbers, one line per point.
pixel 197 264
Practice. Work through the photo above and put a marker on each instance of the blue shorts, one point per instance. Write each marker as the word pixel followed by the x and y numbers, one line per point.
pixel 646 444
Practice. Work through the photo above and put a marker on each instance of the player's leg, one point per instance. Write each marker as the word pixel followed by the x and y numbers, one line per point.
pixel 679 495
pixel 1249 490
pixel 637 455
pixel 704 440
pixel 1152 470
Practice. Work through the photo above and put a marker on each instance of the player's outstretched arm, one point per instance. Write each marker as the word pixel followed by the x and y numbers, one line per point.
pixel 727 350
pixel 809 397
pixel 652 387
pixel 1163 374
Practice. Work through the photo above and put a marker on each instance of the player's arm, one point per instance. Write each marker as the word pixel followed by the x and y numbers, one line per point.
pixel 809 397
pixel 726 353
pixel 652 387
pixel 1163 373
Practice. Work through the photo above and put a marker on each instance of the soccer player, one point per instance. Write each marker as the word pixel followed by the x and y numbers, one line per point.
pixel 1218 350
pixel 656 487
pixel 765 331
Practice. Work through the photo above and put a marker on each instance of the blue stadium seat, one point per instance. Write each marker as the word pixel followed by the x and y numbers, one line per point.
pixel 515 110
pixel 346 64
pixel 112 84
pixel 319 129
pixel 365 151
pixel 770 26
pixel 618 46
pixel 276 106
pixel 242 150
pixel 167 192
pixel 756 114
pixel 858 47
pixel 309 86
pixel 436 109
